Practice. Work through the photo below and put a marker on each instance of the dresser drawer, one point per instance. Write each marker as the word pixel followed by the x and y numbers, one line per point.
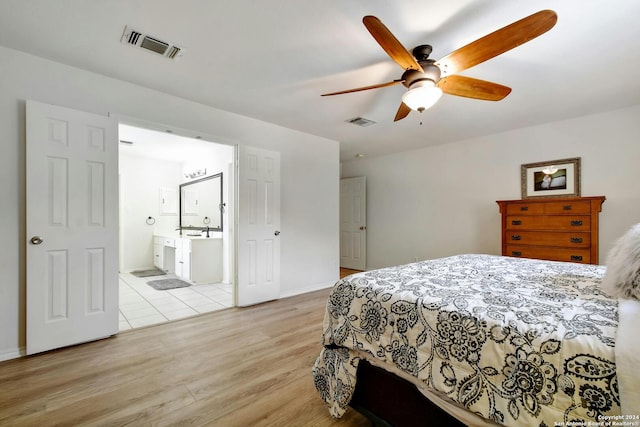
pixel 525 209
pixel 567 207
pixel 550 222
pixel 548 238
pixel 549 208
pixel 548 253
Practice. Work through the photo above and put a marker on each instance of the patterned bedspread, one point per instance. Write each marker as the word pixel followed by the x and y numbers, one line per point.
pixel 520 342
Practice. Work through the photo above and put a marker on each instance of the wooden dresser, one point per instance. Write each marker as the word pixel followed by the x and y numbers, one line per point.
pixel 557 229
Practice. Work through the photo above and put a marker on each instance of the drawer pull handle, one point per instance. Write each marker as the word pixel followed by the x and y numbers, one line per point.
pixel 566 208
pixel 516 253
pixel 524 208
pixel 516 237
pixel 576 222
pixel 576 240
pixel 576 257
pixel 516 222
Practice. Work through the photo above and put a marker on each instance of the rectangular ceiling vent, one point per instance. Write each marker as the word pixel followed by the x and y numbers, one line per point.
pixel 144 41
pixel 361 121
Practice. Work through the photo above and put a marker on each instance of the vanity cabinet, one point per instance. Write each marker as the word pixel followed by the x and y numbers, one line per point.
pixel 162 258
pixel 183 258
pixel 158 256
pixel 196 259
pixel 206 260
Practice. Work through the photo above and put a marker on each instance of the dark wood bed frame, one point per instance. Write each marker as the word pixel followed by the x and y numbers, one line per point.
pixel 388 400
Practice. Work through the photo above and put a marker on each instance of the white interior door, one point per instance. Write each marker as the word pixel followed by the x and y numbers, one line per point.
pixel 353 223
pixel 258 226
pixel 72 227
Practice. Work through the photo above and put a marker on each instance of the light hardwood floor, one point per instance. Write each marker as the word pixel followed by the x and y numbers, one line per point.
pixel 347 271
pixel 236 367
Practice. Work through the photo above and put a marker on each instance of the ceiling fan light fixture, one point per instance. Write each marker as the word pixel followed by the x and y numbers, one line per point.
pixel 422 95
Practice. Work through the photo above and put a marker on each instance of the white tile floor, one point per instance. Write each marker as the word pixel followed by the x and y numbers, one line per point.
pixel 141 305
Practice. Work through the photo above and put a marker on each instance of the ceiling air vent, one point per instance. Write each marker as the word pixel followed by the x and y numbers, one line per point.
pixel 361 121
pixel 144 41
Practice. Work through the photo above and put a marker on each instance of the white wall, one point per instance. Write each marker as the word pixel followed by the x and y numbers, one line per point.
pixel 140 182
pixel 310 172
pixel 440 201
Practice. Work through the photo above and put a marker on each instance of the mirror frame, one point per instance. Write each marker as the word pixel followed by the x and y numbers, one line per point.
pixel 220 204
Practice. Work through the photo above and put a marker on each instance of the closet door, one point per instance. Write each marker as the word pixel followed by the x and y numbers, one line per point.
pixel 72 227
pixel 353 223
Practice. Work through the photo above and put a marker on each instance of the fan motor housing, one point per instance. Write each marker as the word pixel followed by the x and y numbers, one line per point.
pixel 431 72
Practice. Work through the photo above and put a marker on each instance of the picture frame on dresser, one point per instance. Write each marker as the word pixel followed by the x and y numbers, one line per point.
pixel 553 178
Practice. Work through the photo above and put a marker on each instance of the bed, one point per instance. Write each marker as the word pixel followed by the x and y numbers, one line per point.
pixel 485 340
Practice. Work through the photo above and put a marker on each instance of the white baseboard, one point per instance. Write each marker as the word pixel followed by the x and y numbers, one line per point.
pixel 305 290
pixel 12 354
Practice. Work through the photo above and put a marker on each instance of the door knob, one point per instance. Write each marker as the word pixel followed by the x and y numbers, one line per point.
pixel 363 227
pixel 276 233
pixel 36 240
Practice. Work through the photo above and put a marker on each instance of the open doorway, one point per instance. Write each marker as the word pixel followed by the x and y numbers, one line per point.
pixel 176 239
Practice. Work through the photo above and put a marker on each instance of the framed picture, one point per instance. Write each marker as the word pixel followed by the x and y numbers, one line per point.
pixel 551 179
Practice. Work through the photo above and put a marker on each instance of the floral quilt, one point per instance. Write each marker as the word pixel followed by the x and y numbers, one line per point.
pixel 519 342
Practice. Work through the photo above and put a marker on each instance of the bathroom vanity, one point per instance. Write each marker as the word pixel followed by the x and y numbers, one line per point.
pixel 194 258
pixel 192 255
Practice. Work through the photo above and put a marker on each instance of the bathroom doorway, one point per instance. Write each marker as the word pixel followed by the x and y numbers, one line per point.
pixel 165 271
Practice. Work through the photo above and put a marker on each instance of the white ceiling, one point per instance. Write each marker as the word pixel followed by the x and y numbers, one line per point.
pixel 152 144
pixel 271 60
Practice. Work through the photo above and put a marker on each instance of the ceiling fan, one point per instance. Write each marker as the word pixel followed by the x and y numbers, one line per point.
pixel 426 79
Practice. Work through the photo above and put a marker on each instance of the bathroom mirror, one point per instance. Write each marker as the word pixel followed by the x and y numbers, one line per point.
pixel 201 204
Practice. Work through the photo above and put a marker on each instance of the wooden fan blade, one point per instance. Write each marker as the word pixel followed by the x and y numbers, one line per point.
pixel 390 44
pixel 498 42
pixel 395 82
pixel 403 111
pixel 473 88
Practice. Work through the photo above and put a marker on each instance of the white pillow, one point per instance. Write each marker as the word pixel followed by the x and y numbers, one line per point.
pixel 622 278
